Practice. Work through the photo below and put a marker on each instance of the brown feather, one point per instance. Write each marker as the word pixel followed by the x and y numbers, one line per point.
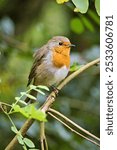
pixel 38 55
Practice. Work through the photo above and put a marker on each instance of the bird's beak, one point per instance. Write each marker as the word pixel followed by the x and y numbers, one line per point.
pixel 70 45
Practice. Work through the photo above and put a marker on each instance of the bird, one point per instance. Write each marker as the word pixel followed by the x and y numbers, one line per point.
pixel 51 64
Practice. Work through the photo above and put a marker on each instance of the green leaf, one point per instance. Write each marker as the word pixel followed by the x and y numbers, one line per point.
pixel 16 107
pixel 39 91
pixel 17 98
pixel 77 25
pixel 81 5
pixel 94 16
pixel 61 1
pixel 14 129
pixel 43 87
pixel 87 23
pixel 22 93
pixel 38 115
pixel 28 142
pixel 30 111
pixel 30 96
pixel 75 67
pixel 22 102
pixel 32 86
pixel 97 6
pixel 36 88
pixel 20 139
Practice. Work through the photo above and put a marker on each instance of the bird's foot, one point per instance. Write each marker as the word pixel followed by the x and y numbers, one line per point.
pixel 55 90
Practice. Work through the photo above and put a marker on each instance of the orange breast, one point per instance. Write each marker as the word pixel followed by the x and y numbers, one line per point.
pixel 61 57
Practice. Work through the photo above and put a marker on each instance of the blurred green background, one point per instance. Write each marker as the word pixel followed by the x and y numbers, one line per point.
pixel 26 26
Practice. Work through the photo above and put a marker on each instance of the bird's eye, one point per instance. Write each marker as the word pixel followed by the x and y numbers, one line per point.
pixel 60 43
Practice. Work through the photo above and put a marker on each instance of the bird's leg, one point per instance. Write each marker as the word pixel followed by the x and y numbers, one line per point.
pixel 55 90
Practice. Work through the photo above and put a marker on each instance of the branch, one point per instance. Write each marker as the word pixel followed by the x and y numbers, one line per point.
pixel 73 123
pixel 73 129
pixel 42 135
pixel 44 145
pixel 13 42
pixel 23 131
pixel 49 102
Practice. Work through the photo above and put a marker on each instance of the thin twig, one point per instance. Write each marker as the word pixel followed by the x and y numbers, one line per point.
pixel 2 103
pixel 13 42
pixel 42 135
pixel 44 145
pixel 73 123
pixel 73 129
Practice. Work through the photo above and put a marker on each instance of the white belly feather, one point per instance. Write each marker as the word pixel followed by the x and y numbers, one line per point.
pixel 61 73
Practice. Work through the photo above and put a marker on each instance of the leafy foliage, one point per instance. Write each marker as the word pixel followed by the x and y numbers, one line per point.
pixel 97 6
pixel 38 88
pixel 81 5
pixel 30 112
pixel 23 141
pixel 77 25
pixel 28 142
pixel 75 66
pixel 81 24
pixel 87 24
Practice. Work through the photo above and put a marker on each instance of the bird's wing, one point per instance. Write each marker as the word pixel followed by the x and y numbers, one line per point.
pixel 38 56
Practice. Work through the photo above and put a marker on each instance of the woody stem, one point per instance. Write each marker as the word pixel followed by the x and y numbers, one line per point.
pixel 73 130
pixel 42 135
pixel 53 111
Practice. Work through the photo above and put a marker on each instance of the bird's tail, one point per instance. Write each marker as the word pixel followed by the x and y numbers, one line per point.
pixel 29 100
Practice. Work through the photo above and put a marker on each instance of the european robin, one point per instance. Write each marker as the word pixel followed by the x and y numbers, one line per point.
pixel 51 63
